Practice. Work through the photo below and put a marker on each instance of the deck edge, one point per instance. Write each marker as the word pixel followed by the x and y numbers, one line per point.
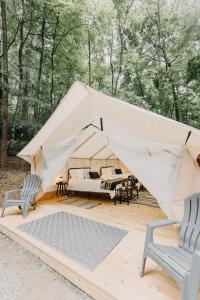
pixel 78 280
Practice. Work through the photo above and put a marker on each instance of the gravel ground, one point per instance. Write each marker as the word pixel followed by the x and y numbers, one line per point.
pixel 24 277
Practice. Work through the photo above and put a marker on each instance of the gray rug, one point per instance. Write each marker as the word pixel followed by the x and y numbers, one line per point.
pixel 84 241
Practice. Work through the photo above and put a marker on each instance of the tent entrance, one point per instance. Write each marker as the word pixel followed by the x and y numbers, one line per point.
pixel 93 151
pixel 155 165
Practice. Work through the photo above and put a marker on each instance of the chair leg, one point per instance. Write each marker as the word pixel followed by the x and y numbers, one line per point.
pixel 33 206
pixel 2 213
pixel 25 211
pixel 143 266
pixel 190 289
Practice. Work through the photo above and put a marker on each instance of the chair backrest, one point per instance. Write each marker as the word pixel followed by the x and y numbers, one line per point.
pixel 30 187
pixel 190 226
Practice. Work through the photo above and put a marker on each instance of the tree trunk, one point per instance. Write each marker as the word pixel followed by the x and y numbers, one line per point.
pixel 89 59
pixel 120 60
pixel 4 86
pixel 21 73
pixel 161 48
pixel 21 109
pixel 175 96
pixel 54 47
pixel 52 80
pixel 160 87
pixel 111 63
pixel 42 40
pixel 139 83
pixel 173 85
pixel 1 86
pixel 24 111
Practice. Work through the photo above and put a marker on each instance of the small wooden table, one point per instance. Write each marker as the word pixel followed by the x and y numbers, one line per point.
pixel 61 188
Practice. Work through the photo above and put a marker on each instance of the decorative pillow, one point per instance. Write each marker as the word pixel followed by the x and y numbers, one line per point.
pixel 107 171
pixel 77 173
pixel 118 171
pixel 94 174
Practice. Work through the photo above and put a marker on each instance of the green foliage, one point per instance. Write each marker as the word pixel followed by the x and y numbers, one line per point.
pixel 193 69
pixel 146 52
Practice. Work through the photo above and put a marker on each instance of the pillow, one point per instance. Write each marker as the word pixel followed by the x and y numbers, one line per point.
pixel 107 171
pixel 86 174
pixel 77 173
pixel 94 174
pixel 118 171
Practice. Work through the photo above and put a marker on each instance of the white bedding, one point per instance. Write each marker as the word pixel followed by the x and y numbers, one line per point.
pixel 88 185
pixel 93 185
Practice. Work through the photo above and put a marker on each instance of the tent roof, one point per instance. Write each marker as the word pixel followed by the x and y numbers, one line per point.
pixel 83 105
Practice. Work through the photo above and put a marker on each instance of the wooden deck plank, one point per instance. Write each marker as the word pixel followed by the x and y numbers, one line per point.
pixel 117 277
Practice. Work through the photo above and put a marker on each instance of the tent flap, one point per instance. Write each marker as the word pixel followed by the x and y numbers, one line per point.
pixel 155 165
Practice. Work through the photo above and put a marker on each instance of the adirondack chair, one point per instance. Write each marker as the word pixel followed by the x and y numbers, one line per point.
pixel 27 197
pixel 181 262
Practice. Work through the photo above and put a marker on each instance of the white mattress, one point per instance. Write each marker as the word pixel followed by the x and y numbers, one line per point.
pixel 88 185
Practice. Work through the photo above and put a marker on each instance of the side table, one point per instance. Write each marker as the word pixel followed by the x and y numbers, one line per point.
pixel 61 188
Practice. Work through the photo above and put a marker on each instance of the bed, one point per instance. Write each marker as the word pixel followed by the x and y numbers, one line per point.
pixel 79 180
pixel 109 173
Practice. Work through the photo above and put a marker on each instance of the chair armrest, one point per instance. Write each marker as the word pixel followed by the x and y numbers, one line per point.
pixel 6 194
pixel 151 226
pixel 161 223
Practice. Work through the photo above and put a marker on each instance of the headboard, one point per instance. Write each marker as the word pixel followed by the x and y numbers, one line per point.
pixel 105 168
pixel 68 172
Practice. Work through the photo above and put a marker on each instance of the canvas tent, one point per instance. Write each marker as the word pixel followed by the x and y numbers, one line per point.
pixel 88 124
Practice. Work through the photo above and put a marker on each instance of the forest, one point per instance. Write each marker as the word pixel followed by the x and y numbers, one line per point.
pixel 145 52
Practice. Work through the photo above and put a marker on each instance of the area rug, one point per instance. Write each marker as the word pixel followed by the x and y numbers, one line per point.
pixel 146 199
pixel 84 241
pixel 80 203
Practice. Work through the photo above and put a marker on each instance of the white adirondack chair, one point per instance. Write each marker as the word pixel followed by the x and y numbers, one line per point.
pixel 30 188
pixel 181 262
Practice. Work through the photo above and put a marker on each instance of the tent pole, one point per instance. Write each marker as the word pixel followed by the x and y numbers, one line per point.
pixel 188 136
pixel 34 164
pixel 101 149
pixel 79 146
pixel 109 156
pixel 101 123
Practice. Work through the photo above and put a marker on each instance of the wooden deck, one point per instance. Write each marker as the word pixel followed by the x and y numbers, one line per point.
pixel 117 277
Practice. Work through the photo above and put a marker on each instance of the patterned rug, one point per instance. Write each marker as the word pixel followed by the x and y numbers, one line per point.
pixel 84 241
pixel 87 204
pixel 145 198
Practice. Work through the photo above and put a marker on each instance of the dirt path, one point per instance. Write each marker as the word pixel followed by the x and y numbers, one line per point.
pixel 24 277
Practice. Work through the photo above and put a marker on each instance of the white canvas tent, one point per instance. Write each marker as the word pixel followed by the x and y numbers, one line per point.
pixel 160 152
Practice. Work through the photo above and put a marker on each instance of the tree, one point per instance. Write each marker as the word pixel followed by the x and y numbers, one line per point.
pixel 4 85
pixel 145 52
